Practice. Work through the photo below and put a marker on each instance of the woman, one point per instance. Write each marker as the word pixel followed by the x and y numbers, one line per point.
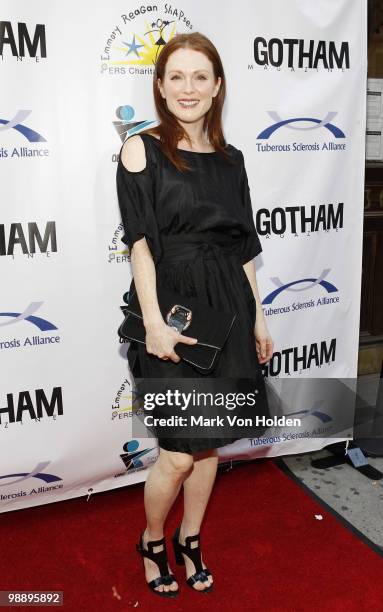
pixel 181 181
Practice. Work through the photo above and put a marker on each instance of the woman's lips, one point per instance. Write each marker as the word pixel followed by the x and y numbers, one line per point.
pixel 188 103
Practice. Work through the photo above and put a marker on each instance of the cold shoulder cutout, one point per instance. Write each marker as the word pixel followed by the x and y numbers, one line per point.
pixel 133 149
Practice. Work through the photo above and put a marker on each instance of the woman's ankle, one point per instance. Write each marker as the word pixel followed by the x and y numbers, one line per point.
pixel 188 530
pixel 151 534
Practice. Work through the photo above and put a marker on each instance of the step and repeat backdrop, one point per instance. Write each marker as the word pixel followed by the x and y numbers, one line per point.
pixel 76 81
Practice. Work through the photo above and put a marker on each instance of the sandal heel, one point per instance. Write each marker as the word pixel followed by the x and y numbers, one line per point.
pixel 177 549
pixel 194 553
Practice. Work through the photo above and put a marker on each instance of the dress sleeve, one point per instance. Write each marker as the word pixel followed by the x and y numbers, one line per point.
pixel 136 195
pixel 251 245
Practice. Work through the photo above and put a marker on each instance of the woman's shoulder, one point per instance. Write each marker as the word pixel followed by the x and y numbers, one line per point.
pixel 137 152
pixel 152 138
pixel 141 150
pixel 234 151
pixel 236 155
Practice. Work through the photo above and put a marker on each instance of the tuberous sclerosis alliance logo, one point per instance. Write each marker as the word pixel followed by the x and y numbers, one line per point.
pixel 318 423
pixel 133 46
pixel 312 123
pixel 299 285
pixel 8 480
pixel 15 124
pixel 26 317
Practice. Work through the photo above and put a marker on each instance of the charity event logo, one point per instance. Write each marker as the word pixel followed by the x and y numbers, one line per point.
pixel 133 46
pixel 122 405
pixel 13 130
pixel 118 252
pixel 16 123
pixel 298 286
pixel 125 124
pixel 291 124
pixel 133 455
pixel 287 130
pixel 46 482
pixel 15 324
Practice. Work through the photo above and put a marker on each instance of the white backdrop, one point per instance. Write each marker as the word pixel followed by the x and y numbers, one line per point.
pixel 76 80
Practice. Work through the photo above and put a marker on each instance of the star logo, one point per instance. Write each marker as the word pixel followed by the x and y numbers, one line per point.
pixel 133 46
pixel 144 50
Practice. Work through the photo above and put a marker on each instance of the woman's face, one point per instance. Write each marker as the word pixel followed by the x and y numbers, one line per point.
pixel 189 85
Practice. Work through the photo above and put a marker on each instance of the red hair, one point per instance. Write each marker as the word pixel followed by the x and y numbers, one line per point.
pixel 170 131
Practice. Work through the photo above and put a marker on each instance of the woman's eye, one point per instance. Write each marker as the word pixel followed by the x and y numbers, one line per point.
pixel 174 77
pixel 201 76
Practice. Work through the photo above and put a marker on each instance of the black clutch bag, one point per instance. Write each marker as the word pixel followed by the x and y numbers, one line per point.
pixel 188 316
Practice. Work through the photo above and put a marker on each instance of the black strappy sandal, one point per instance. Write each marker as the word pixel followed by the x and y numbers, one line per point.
pixel 161 559
pixel 195 555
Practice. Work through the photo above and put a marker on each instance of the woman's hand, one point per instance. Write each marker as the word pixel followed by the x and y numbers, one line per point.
pixel 161 339
pixel 263 341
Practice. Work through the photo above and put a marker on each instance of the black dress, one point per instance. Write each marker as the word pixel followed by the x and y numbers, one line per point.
pixel 200 206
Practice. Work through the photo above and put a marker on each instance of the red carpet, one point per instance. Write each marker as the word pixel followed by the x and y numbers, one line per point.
pixel 261 540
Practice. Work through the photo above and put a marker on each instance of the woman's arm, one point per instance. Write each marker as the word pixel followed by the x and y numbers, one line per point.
pixel 160 338
pixel 249 268
pixel 144 274
pixel 264 342
pixel 134 159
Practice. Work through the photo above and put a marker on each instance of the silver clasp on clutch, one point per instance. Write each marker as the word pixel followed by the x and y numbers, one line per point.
pixel 179 317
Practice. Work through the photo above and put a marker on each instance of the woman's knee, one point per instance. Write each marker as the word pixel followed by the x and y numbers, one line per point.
pixel 176 462
pixel 206 454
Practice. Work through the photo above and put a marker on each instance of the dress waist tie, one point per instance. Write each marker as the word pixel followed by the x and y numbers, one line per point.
pixel 197 247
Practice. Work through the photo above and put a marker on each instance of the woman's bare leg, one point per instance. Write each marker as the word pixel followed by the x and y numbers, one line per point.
pixel 161 489
pixel 197 489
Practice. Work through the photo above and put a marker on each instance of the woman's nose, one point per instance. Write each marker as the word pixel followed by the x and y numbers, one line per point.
pixel 188 85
